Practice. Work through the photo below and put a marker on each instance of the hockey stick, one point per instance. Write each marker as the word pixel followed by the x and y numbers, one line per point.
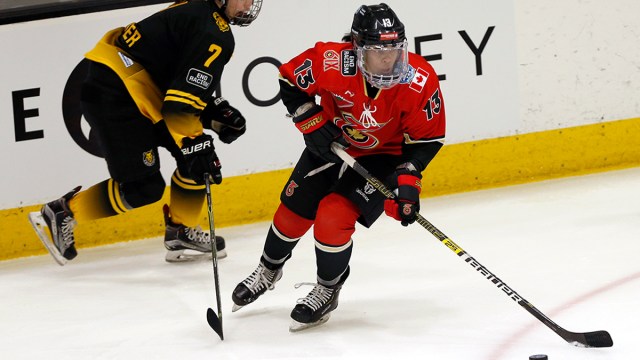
pixel 214 320
pixel 596 339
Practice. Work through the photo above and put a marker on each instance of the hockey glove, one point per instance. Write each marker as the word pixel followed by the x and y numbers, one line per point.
pixel 406 205
pixel 201 158
pixel 224 119
pixel 319 133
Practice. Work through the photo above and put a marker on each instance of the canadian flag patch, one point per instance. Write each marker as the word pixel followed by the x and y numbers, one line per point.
pixel 419 80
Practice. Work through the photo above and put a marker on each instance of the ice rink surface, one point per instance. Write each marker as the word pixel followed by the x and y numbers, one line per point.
pixel 569 246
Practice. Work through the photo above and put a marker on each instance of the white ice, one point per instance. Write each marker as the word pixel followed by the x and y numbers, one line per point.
pixel 569 246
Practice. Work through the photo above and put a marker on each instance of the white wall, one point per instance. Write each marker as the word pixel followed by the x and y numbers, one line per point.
pixel 578 60
pixel 546 65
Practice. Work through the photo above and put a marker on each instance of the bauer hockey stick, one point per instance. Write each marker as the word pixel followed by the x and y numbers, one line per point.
pixel 214 320
pixel 596 339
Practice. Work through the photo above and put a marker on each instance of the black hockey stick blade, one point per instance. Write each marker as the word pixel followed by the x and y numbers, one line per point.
pixel 214 322
pixel 595 339
pixel 591 339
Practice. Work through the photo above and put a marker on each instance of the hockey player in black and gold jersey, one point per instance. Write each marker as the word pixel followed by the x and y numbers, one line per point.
pixel 150 85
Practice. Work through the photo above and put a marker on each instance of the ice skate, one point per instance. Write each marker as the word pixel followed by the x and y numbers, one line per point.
pixel 58 218
pixel 185 243
pixel 256 284
pixel 315 309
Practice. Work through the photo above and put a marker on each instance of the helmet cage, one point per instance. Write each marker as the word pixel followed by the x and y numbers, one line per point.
pixel 248 17
pixel 377 78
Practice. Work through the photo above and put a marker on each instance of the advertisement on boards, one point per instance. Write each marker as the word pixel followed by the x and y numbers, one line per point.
pixel 46 147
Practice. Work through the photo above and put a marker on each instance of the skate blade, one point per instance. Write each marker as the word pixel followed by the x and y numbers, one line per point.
pixel 298 326
pixel 236 307
pixel 39 225
pixel 178 256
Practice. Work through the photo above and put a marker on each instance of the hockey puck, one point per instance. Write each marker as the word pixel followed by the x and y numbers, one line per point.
pixel 538 357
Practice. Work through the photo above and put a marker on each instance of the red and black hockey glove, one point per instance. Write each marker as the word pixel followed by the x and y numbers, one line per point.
pixel 224 119
pixel 319 132
pixel 406 205
pixel 200 157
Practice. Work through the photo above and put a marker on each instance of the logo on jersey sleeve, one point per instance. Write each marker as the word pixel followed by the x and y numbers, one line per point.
pixel 348 63
pixel 419 80
pixel 408 76
pixel 331 60
pixel 199 78
pixel 221 22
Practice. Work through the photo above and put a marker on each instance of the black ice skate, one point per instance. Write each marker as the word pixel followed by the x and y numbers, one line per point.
pixel 185 243
pixel 256 284
pixel 58 218
pixel 315 309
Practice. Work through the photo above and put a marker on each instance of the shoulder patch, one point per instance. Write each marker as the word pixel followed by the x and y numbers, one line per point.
pixel 331 60
pixel 409 75
pixel 419 80
pixel 199 78
pixel 348 60
pixel 221 22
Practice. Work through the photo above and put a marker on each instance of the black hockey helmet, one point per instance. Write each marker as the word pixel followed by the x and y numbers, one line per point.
pixel 376 28
pixel 245 18
pixel 377 25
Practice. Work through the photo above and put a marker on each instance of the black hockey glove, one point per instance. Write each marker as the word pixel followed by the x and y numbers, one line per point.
pixel 406 205
pixel 201 158
pixel 319 133
pixel 224 119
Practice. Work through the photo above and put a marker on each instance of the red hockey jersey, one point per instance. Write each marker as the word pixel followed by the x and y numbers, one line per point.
pixel 412 111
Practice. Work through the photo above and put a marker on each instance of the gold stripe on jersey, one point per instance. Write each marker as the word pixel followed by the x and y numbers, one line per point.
pixel 92 203
pixel 186 199
pixel 137 80
pixel 184 182
pixel 183 125
pixel 282 78
pixel 184 97
pixel 114 197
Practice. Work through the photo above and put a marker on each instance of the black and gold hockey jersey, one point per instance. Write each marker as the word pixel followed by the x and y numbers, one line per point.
pixel 171 62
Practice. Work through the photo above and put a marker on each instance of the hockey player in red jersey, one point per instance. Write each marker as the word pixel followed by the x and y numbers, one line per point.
pixel 385 104
pixel 150 85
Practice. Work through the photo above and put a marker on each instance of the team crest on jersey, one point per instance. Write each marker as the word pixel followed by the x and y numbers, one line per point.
pixel 360 130
pixel 290 188
pixel 348 60
pixel 221 22
pixel 149 158
pixel 331 60
pixel 356 137
pixel 419 80
pixel 199 78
